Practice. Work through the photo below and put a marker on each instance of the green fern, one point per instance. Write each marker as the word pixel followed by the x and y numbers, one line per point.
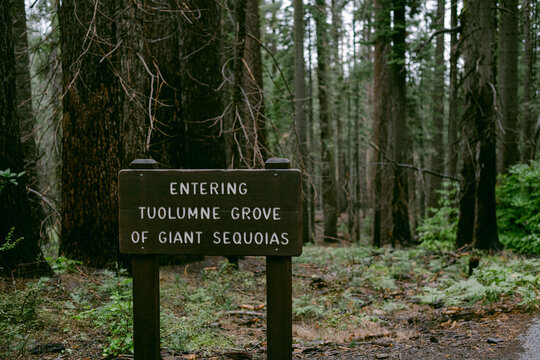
pixel 489 284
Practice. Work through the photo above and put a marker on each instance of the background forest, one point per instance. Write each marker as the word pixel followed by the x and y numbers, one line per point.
pixel 401 114
pixel 416 124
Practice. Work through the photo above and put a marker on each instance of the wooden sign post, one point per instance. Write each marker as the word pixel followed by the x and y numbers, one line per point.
pixel 145 270
pixel 279 296
pixel 211 212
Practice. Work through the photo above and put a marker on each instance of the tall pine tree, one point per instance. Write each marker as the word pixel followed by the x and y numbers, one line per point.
pixel 477 223
pixel 19 227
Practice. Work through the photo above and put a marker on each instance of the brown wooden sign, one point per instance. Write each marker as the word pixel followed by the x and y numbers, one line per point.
pixel 210 212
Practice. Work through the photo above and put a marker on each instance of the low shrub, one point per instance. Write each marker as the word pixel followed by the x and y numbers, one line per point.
pixel 438 230
pixel 518 208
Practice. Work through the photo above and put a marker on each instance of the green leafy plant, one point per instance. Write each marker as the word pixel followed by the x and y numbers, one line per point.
pixel 518 208
pixel 438 230
pixel 115 317
pixel 6 177
pixel 18 315
pixel 10 242
pixel 62 264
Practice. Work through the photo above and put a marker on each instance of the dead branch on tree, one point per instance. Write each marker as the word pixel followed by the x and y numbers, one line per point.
pixel 410 166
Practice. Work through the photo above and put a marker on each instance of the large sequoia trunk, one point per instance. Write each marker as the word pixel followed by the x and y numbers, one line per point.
pixel 91 132
pixel 22 256
pixel 202 105
pixel 478 222
pixel 165 133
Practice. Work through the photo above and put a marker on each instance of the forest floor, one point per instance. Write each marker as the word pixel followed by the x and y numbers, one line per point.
pixel 348 303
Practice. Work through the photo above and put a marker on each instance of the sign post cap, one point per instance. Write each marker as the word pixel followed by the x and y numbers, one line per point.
pixel 277 163
pixel 143 164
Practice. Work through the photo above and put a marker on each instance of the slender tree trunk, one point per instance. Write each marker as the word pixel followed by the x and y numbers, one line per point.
pixel 25 112
pixel 24 90
pixel 24 256
pixel 362 159
pixel 253 113
pixel 400 202
pixel 508 81
pixel 354 158
pixel 528 118
pixel 311 134
pixel 300 109
pixel 382 113
pixel 91 132
pixel 480 166
pixel 453 96
pixel 328 165
pixel 437 159
pixel 349 170
pixel 467 201
pixel 240 137
pixel 337 104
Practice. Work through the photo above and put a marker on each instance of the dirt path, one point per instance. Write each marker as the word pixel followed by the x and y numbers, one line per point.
pixel 527 345
pixel 500 337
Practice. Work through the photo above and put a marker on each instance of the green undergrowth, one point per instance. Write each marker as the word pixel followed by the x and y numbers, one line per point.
pixel 496 279
pixel 393 280
pixel 338 290
pixel 193 312
pixel 357 285
pixel 518 208
pixel 518 213
pixel 20 316
pixel 189 310
pixel 61 265
pixel 114 317
pixel 438 229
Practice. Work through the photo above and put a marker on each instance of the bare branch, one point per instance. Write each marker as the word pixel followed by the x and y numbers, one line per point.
pixel 410 166
pixel 44 198
pixel 421 48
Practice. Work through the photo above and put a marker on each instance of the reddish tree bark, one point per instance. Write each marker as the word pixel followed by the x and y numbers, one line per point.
pixel 91 132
